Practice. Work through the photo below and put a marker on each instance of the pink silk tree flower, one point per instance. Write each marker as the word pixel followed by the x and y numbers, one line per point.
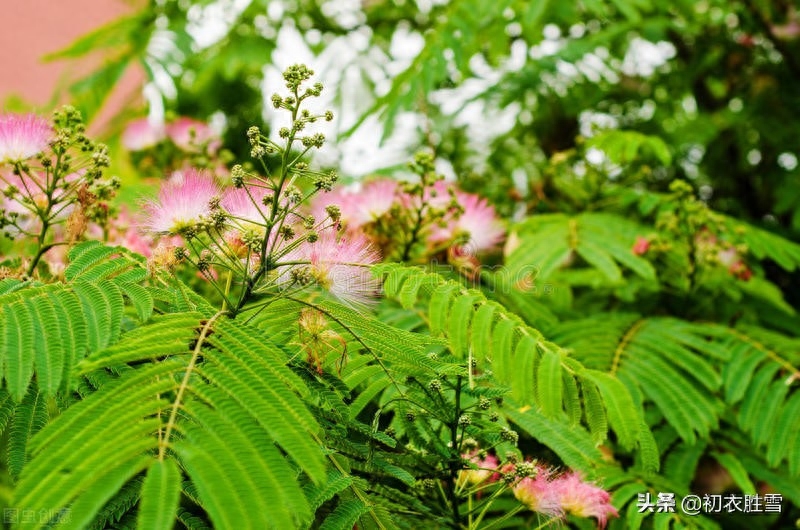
pixel 23 136
pixel 476 229
pixel 583 499
pixel 141 134
pixel 246 205
pixel 189 134
pixel 340 266
pixel 341 197
pixel 360 204
pixel 539 494
pixel 640 246
pixel 478 222
pixel 183 203
pixel 373 201
pixel 485 468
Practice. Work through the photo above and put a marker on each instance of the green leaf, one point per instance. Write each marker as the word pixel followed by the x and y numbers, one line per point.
pixel 737 470
pixel 526 356
pixel 345 516
pixel 160 496
pixel 241 477
pixel 481 334
pixel 141 299
pixel 18 349
pixel 571 443
pixel 29 417
pixel 548 384
pixel 439 307
pixel 624 417
pixel 335 484
pixel 595 412
pixel 599 258
pixel 459 323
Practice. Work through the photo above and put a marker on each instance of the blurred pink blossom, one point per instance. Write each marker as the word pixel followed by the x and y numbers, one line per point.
pixel 189 134
pixel 582 498
pixel 23 136
pixel 640 246
pixel 485 468
pixel 538 493
pixel 142 133
pixel 247 204
pixel 476 229
pixel 359 204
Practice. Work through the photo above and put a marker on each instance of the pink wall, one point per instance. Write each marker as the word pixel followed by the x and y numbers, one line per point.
pixel 29 29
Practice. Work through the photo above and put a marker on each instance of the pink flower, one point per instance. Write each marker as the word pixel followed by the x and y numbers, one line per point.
pixel 339 265
pixel 478 223
pixel 23 136
pixel 360 205
pixel 641 246
pixel 242 205
pixel 124 232
pixel 477 228
pixel 183 202
pixel 583 499
pixel 189 134
pixel 373 201
pixel 538 493
pixel 741 271
pixel 730 258
pixel 484 469
pixel 141 134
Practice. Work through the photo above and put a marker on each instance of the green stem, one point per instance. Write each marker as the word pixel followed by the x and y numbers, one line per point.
pixel 41 250
pixel 510 514
pixel 264 265
pixel 455 458
pixel 486 506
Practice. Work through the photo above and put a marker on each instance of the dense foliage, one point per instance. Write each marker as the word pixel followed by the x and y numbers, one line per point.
pixel 597 310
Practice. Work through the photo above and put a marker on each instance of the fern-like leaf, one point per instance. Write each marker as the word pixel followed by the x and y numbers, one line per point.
pixel 242 478
pixel 30 416
pixel 160 495
pixel 346 515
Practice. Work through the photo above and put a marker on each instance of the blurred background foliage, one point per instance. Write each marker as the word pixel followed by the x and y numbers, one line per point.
pixel 637 91
pixel 537 105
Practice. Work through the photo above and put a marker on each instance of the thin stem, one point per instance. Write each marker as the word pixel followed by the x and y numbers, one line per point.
pixel 227 291
pixel 414 231
pixel 486 506
pixel 173 415
pixel 41 250
pixel 455 457
pixel 499 520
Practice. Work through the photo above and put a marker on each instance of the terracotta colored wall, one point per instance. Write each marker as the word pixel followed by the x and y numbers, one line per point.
pixel 29 29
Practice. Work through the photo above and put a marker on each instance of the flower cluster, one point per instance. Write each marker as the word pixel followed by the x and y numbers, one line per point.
pixel 252 233
pixel 540 488
pixel 416 221
pixel 712 250
pixel 157 148
pixel 52 179
pixel 187 134
pixel 239 229
pixel 709 250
